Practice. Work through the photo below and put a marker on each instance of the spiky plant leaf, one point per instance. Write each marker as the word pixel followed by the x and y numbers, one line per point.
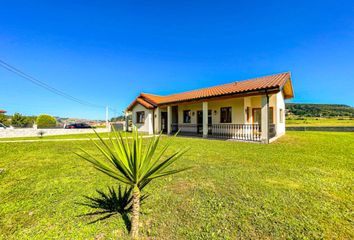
pixel 130 162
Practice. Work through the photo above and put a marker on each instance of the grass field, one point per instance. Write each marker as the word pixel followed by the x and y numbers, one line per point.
pixel 300 187
pixel 319 122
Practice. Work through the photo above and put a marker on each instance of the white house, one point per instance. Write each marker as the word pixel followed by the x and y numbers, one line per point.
pixel 250 110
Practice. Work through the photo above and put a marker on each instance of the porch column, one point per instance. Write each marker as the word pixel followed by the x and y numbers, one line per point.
pixel 169 120
pixel 157 120
pixel 205 119
pixel 150 119
pixel 265 119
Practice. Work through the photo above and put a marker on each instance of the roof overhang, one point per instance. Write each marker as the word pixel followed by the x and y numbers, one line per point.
pixel 142 101
pixel 287 89
pixel 224 96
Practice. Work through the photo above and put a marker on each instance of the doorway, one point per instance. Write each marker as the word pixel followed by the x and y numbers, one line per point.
pixel 164 122
pixel 200 121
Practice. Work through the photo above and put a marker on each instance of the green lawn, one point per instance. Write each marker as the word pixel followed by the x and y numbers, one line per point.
pixel 300 187
pixel 320 122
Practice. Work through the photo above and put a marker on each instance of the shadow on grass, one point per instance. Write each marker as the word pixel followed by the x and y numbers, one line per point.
pixel 111 203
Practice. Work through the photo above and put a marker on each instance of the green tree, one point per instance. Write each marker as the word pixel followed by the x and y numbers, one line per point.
pixel 119 118
pixel 18 120
pixel 4 120
pixel 46 121
pixel 133 164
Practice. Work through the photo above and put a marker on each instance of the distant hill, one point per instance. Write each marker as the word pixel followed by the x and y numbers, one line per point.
pixel 319 110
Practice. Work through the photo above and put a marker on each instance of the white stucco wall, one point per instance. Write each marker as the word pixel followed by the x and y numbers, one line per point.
pixel 280 104
pixel 147 126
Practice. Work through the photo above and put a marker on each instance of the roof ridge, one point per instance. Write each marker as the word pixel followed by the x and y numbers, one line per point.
pixel 151 94
pixel 234 82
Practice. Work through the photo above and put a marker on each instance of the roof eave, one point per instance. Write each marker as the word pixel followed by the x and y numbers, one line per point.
pixel 237 94
pixel 287 89
pixel 135 102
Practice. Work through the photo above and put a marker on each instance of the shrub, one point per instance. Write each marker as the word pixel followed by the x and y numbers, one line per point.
pixel 40 134
pixel 18 120
pixel 46 121
pixel 4 120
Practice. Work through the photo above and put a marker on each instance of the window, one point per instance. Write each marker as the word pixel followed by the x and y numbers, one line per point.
pixel 271 115
pixel 140 117
pixel 187 116
pixel 225 115
pixel 281 115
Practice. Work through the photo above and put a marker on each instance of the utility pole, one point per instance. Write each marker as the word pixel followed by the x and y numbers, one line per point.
pixel 106 116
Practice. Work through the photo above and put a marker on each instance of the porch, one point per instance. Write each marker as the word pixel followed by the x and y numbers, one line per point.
pixel 243 132
pixel 254 118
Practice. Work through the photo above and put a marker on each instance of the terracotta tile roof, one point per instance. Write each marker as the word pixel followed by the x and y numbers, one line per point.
pixel 276 81
pixel 2 111
pixel 143 102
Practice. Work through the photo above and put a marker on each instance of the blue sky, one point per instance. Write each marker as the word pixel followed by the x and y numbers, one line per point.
pixel 106 52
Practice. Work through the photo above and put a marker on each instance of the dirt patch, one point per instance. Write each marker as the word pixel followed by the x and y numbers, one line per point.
pixel 182 186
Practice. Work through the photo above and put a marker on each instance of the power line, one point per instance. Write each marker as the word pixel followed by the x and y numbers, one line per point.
pixel 45 85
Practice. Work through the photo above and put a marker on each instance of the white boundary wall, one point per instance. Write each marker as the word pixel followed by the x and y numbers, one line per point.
pixel 30 132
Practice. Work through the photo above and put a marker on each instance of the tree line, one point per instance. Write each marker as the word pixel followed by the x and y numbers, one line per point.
pixel 319 110
pixel 20 121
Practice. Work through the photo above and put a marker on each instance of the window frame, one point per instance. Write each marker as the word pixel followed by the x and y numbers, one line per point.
pixel 228 117
pixel 138 113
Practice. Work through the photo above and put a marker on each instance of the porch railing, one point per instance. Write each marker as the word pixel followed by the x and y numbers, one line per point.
pixel 247 132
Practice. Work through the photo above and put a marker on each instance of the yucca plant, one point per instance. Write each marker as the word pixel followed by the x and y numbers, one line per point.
pixel 128 161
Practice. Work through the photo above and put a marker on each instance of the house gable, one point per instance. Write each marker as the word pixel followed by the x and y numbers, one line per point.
pixel 142 101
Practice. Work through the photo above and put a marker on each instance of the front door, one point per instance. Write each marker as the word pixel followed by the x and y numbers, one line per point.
pixel 164 122
pixel 200 121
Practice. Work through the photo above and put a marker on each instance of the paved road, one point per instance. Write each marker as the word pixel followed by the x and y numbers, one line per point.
pixel 59 140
